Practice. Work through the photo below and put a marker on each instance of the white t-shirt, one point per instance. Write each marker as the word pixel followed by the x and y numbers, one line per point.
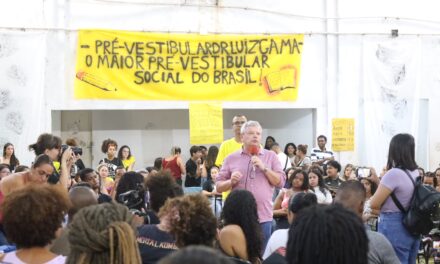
pixel 323 198
pixel 284 160
pixel 277 239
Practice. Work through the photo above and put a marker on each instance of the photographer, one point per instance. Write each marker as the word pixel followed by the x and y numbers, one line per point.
pixel 131 193
pixel 77 151
pixel 50 145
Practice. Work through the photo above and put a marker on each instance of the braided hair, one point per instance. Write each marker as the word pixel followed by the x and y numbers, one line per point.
pixel 102 234
pixel 333 229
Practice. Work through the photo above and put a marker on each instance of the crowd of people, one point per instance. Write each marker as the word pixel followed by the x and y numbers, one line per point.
pixel 246 201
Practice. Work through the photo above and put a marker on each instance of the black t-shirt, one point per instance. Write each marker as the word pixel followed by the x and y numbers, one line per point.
pixel 104 198
pixel 154 244
pixel 112 165
pixel 191 175
pixel 208 185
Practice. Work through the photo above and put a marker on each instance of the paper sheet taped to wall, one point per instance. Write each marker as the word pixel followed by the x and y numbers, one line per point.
pixel 343 134
pixel 205 123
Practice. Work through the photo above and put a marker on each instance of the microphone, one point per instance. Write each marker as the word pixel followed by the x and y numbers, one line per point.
pixel 253 150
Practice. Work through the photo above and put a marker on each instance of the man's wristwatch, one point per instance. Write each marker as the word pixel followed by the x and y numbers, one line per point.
pixel 265 169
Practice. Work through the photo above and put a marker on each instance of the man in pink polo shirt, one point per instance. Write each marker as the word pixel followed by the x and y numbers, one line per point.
pixel 256 170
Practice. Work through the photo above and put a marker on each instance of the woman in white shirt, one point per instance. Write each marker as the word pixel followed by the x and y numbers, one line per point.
pixel 316 183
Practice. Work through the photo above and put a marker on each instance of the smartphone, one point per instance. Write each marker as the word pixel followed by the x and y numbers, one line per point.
pixel 363 172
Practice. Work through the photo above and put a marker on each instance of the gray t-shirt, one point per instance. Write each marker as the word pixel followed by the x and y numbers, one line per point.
pixel 396 180
pixel 380 250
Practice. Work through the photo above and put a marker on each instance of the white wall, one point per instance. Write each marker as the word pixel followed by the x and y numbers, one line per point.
pixel 152 133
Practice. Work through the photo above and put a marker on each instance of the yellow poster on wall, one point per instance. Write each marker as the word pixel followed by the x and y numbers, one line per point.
pixel 163 66
pixel 343 134
pixel 205 123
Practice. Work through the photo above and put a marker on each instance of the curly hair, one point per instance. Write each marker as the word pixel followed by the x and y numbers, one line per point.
pixel 162 186
pixel 305 185
pixel 33 214
pixel 106 143
pixel 192 221
pixel 131 181
pixel 240 209
pixel 332 227
pixel 103 234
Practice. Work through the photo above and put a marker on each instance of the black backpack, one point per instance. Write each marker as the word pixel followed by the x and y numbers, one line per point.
pixel 422 210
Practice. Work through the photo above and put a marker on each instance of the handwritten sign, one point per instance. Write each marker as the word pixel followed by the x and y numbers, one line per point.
pixel 205 123
pixel 158 66
pixel 343 134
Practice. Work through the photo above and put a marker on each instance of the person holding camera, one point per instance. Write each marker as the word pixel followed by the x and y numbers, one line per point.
pixel 77 151
pixel 50 145
pixel 130 192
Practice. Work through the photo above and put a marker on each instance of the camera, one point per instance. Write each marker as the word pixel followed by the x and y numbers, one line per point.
pixel 132 199
pixel 363 172
pixel 76 150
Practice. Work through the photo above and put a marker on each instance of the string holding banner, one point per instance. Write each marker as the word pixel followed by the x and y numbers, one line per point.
pixel 157 66
pixel 205 123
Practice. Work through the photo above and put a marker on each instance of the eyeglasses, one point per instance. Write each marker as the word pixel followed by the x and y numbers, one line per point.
pixel 237 123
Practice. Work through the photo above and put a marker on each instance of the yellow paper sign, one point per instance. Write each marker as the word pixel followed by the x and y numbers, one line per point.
pixel 205 123
pixel 343 134
pixel 158 66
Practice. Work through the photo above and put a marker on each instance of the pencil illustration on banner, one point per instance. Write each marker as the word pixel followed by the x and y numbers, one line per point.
pixel 276 81
pixel 96 81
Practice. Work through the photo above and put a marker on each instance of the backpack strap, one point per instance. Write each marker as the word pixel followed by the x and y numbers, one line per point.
pixel 393 196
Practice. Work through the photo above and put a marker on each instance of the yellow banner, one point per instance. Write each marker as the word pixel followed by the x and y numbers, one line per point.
pixel 205 123
pixel 343 134
pixel 159 66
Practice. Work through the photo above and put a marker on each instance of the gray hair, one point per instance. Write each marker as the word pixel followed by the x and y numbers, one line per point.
pixel 248 124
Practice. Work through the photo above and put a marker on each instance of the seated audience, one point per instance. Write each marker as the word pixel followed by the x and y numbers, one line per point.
pixel 348 173
pixel 299 183
pixel 241 235
pixel 80 197
pixel 318 187
pixel 327 234
pixel 9 157
pixel 21 168
pixel 193 222
pixel 332 180
pixel 161 186
pixel 31 218
pixel 196 255
pixel 155 240
pixel 4 170
pixel 89 177
pixel 103 234
pixel 106 183
pixel 131 193
pixel 278 241
pixel 351 195
pixel 40 172
pixel 301 161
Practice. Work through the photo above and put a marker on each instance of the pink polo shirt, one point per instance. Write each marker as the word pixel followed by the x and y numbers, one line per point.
pixel 254 181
